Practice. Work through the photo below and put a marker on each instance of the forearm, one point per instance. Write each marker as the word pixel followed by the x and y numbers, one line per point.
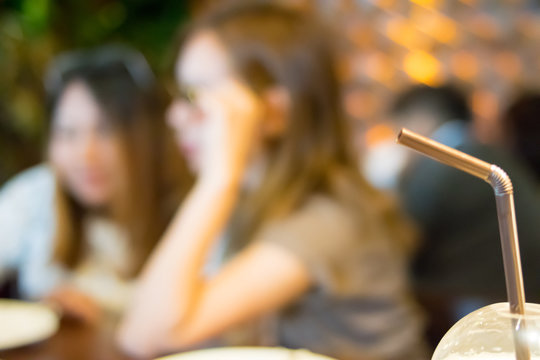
pixel 170 283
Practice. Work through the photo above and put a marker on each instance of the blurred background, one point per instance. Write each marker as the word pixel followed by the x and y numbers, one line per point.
pixel 488 47
pixel 32 32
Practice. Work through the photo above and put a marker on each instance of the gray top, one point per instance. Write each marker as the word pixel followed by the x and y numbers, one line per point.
pixel 359 306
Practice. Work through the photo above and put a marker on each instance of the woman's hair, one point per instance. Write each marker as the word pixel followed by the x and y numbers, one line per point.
pixel 122 84
pixel 271 45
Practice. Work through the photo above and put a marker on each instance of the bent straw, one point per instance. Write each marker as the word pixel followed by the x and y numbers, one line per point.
pixel 504 196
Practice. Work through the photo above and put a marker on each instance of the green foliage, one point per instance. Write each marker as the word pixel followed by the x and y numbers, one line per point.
pixel 32 32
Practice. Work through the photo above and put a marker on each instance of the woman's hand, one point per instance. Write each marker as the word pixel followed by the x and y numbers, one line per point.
pixel 232 115
pixel 229 120
pixel 74 304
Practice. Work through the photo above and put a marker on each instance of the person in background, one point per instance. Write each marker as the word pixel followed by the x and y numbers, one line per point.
pixel 521 122
pixel 459 267
pixel 307 239
pixel 77 228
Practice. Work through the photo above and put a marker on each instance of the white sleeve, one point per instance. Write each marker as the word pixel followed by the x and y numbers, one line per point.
pixel 18 200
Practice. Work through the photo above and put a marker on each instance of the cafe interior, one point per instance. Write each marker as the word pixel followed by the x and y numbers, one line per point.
pixel 269 179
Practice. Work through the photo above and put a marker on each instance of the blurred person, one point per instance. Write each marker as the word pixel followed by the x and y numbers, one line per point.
pixel 78 228
pixel 521 122
pixel 308 241
pixel 382 162
pixel 459 267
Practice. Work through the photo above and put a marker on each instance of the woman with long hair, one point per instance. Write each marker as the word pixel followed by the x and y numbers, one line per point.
pixel 78 228
pixel 307 239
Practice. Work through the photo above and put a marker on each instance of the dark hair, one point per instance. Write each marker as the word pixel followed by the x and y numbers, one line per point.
pixel 271 45
pixel 445 102
pixel 521 121
pixel 123 86
pixel 115 75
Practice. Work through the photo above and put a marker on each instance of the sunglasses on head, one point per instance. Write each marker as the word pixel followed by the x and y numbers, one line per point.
pixel 103 58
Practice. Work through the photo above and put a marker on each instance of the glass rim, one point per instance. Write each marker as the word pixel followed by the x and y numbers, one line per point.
pixel 532 311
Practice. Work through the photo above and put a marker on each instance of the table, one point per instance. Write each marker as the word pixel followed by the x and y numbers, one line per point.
pixel 73 341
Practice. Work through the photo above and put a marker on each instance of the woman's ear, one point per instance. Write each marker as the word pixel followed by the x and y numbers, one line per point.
pixel 277 104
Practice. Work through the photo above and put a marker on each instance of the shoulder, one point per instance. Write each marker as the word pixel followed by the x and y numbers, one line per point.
pixel 28 191
pixel 318 211
pixel 26 213
pixel 327 237
pixel 30 182
pixel 322 225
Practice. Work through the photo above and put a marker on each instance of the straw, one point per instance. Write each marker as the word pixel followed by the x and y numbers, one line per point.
pixel 504 196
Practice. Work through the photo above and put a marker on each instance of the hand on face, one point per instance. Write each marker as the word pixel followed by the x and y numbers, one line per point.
pixel 231 130
pixel 219 129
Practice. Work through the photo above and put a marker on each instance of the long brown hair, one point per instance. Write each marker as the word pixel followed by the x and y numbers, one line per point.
pixel 156 179
pixel 272 45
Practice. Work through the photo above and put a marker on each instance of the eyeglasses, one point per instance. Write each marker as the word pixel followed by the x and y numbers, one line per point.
pixel 67 64
pixel 183 93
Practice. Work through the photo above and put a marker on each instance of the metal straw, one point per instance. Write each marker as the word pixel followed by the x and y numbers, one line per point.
pixel 504 196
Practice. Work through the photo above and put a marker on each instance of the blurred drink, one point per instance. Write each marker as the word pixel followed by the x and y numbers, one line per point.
pixel 491 333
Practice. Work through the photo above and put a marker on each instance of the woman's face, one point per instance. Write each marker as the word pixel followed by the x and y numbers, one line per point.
pixel 202 67
pixel 83 148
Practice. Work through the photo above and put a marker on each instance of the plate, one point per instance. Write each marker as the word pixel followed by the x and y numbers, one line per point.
pixel 247 353
pixel 23 323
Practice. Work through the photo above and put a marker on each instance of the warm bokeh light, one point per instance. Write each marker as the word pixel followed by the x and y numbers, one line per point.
pixel 464 65
pixel 507 64
pixel 361 104
pixel 435 25
pixel 361 35
pixel 405 34
pixel 528 25
pixel 484 104
pixel 484 27
pixel 422 67
pixel 378 66
pixel 427 3
pixel 486 107
pixel 488 46
pixel 379 133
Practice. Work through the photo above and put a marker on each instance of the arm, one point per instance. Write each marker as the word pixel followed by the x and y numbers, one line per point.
pixel 175 307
